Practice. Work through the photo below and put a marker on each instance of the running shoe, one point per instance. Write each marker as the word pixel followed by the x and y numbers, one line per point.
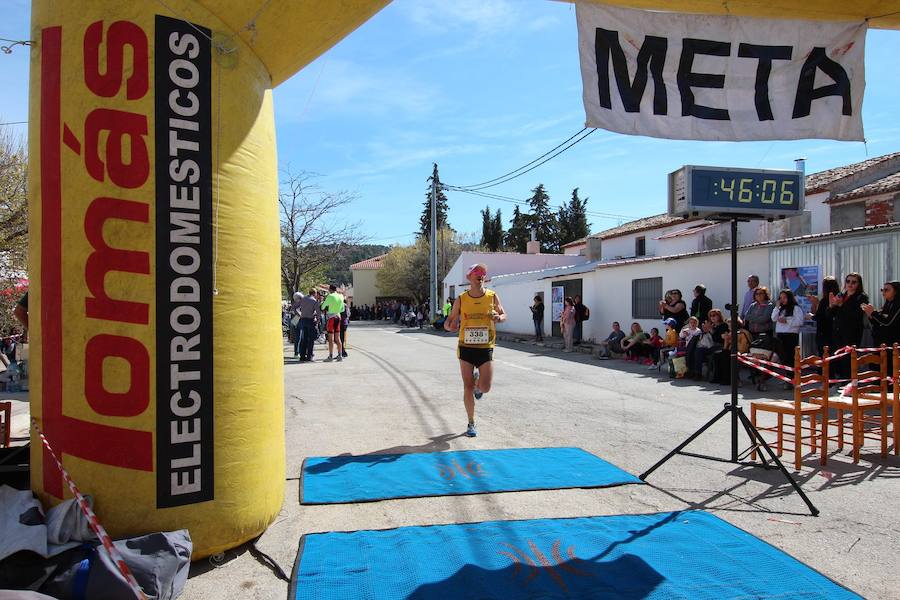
pixel 344 354
pixel 339 358
pixel 470 430
pixel 478 393
pixel 329 359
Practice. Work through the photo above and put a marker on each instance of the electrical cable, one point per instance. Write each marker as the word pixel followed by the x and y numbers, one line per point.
pixel 535 166
pixel 591 213
pixel 475 185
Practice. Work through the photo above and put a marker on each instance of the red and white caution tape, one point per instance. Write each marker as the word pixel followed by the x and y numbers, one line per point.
pixel 93 521
pixel 751 363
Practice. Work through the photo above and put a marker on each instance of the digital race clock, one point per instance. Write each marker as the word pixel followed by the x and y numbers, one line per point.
pixel 750 193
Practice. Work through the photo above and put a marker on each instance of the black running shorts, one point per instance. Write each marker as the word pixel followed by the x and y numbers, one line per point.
pixel 475 356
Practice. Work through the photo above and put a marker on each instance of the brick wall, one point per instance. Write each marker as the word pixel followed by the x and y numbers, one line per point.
pixel 879 211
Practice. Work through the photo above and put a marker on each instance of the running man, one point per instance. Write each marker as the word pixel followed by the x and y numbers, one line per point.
pixel 475 315
pixel 333 306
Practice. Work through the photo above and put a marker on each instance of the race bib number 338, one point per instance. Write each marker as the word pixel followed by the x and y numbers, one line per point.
pixel 476 335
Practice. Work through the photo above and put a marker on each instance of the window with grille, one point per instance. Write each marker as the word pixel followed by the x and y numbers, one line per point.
pixel 640 246
pixel 645 297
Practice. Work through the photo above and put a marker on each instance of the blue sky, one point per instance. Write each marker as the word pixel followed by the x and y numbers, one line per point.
pixel 482 87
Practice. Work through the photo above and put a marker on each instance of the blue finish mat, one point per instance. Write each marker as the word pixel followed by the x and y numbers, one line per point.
pixel 686 555
pixel 340 479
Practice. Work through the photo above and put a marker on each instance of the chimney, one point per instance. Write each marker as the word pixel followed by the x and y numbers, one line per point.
pixel 533 246
pixel 593 249
pixel 800 165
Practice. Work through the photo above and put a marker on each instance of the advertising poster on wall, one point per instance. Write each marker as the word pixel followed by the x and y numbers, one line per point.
pixel 803 282
pixel 559 298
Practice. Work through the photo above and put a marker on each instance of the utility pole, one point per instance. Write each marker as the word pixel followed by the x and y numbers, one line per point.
pixel 433 247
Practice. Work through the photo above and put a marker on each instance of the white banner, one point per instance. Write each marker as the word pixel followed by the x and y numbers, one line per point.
pixel 702 77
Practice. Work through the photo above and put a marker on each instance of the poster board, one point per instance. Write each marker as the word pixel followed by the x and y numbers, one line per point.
pixel 558 298
pixel 803 282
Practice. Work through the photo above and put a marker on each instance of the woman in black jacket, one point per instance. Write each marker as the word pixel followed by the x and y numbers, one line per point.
pixel 822 315
pixel 847 319
pixel 886 322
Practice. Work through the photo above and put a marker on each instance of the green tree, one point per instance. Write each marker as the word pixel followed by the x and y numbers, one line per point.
pixel 441 203
pixel 497 234
pixel 543 220
pixel 405 271
pixel 572 218
pixel 13 226
pixel 487 229
pixel 491 230
pixel 519 231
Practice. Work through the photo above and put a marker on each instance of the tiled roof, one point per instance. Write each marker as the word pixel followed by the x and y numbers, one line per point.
pixel 370 263
pixel 654 222
pixel 578 242
pixel 817 182
pixel 891 183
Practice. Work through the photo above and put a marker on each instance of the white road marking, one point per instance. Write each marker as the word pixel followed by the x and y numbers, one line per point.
pixel 515 366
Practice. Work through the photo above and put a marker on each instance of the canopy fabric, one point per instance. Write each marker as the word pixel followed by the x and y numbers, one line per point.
pixel 287 35
pixel 882 14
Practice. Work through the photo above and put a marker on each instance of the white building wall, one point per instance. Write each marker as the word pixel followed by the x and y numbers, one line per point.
pixel 365 286
pixel 607 290
pixel 820 219
pixel 613 283
pixel 516 297
pixel 503 263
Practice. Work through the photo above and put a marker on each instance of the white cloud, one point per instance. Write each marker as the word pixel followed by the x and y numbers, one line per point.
pixel 346 87
pixel 481 15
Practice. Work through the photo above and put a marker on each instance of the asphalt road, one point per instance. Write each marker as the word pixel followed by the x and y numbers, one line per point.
pixel 400 391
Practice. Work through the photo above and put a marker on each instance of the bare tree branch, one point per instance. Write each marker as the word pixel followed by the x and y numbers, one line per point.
pixel 313 227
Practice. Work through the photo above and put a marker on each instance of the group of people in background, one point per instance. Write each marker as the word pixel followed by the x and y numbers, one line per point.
pixel 842 316
pixel 571 322
pixel 309 315
pixel 398 312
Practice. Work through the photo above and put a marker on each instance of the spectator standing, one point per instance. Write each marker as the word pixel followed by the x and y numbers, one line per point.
pixel 673 306
pixel 310 314
pixel 612 343
pixel 758 318
pixel 582 314
pixel 333 306
pixel 294 321
pixel 537 315
pixel 567 323
pixel 885 322
pixel 345 323
pixel 701 305
pixel 847 319
pixel 822 313
pixel 788 318
pixel 749 295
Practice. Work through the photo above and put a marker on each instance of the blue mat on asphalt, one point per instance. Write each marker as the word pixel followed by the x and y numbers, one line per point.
pixel 341 479
pixel 685 555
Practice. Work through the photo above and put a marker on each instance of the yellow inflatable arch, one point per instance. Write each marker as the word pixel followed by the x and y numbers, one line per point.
pixel 156 357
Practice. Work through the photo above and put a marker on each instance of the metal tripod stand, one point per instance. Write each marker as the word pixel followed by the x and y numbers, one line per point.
pixel 733 407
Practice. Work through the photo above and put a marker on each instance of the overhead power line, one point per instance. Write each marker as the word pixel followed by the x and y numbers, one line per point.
pixel 591 213
pixel 534 164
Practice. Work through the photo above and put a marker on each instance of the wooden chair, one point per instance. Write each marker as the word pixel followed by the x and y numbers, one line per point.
pixel 868 395
pixel 895 379
pixel 810 400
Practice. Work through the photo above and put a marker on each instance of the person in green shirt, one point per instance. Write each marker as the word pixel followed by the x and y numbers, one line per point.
pixel 448 306
pixel 333 306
